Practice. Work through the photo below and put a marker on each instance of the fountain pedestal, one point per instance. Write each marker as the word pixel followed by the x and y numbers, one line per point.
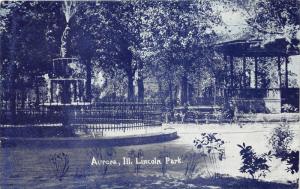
pixel 64 87
pixel 66 90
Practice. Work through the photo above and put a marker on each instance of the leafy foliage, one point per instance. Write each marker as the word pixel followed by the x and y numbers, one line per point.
pixel 211 144
pixel 60 164
pixel 167 41
pixel 275 19
pixel 281 139
pixel 292 159
pixel 288 108
pixel 136 155
pixel 163 154
pixel 192 160
pixel 253 164
pixel 102 154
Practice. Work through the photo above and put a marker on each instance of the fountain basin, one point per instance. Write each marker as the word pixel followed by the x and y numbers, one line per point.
pixel 88 141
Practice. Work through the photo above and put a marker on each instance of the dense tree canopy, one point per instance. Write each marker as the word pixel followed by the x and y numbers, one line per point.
pixel 168 41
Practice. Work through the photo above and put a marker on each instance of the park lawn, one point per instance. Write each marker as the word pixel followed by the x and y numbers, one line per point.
pixel 142 181
pixel 30 167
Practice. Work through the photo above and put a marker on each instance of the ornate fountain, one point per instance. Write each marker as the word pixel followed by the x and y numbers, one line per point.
pixel 65 89
pixel 67 106
pixel 65 85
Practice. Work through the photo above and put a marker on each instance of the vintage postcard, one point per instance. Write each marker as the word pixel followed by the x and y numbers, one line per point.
pixel 150 94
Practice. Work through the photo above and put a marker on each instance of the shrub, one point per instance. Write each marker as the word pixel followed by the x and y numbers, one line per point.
pixel 210 146
pixel 136 155
pixel 192 160
pixel 162 156
pixel 281 139
pixel 60 164
pixel 208 143
pixel 253 164
pixel 228 110
pixel 288 108
pixel 292 159
pixel 102 154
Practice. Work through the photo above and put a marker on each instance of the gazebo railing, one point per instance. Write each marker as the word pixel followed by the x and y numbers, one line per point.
pixel 253 93
pixel 273 100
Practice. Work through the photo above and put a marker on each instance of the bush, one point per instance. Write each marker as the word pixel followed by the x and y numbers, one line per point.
pixel 253 164
pixel 139 154
pixel 281 139
pixel 60 164
pixel 108 153
pixel 163 154
pixel 209 143
pixel 228 111
pixel 210 146
pixel 192 160
pixel 292 159
pixel 288 108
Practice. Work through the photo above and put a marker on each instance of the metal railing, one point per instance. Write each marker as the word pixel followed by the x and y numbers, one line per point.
pixel 121 115
pixel 100 115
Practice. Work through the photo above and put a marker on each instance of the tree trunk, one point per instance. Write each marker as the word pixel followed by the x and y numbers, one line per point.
pixel 184 86
pixel 171 100
pixel 176 91
pixel 171 95
pixel 88 79
pixel 23 98
pixel 37 93
pixel 141 89
pixel 12 72
pixel 130 91
pixel 12 92
pixel 160 92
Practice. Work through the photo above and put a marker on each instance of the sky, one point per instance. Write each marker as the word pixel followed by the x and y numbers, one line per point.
pixel 234 22
pixel 295 66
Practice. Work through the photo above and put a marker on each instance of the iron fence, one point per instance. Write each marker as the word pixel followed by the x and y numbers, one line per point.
pixel 121 115
pixel 100 115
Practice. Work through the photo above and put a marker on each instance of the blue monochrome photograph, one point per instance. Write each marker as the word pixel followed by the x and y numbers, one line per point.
pixel 149 94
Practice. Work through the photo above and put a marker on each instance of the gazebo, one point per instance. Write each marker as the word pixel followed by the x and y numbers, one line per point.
pixel 245 91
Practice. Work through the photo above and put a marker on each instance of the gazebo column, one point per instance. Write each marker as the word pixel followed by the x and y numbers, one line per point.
pixel 67 89
pixel 80 92
pixel 255 71
pixel 244 72
pixel 51 91
pixel 57 90
pixel 286 72
pixel 215 90
pixel 226 70
pixel 64 92
pixel 279 71
pixel 75 90
pixel 231 71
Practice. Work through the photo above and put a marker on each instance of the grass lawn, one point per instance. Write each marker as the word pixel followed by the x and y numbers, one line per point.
pixel 26 167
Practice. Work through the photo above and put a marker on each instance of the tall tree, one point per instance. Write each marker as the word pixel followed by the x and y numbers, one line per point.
pixel 112 32
pixel 30 41
pixel 186 35
pixel 276 19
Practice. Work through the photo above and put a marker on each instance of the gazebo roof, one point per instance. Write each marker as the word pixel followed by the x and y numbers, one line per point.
pixel 257 48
